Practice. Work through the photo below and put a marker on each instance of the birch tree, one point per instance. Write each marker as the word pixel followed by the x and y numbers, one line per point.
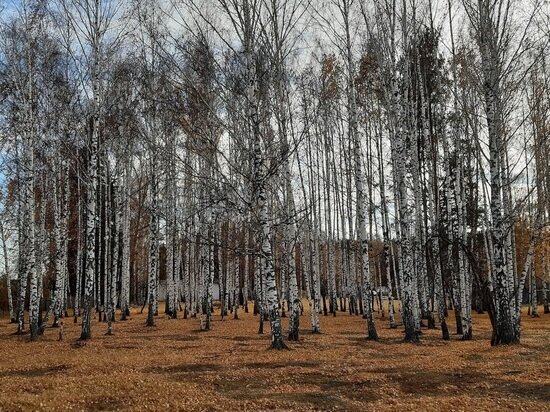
pixel 499 60
pixel 92 24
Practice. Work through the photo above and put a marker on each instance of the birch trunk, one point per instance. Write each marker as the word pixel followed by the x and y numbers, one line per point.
pixel 7 272
pixel 153 245
pixel 29 241
pixel 361 211
pixel 125 247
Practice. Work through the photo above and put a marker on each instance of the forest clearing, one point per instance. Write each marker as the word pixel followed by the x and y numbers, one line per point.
pixel 175 366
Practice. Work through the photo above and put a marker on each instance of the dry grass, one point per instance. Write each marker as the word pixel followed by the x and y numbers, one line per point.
pixel 174 366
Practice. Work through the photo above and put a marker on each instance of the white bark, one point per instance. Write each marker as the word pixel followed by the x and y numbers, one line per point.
pixel 125 247
pixel 7 272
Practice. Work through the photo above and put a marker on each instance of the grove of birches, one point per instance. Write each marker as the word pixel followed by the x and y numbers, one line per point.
pixel 199 158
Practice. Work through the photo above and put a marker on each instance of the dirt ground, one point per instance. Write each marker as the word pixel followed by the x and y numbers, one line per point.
pixel 174 366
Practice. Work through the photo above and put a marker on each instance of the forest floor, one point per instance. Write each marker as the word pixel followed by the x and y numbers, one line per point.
pixel 174 366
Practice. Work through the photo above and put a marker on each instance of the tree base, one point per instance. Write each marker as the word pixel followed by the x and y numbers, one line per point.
pixel 35 333
pixel 371 332
pixel 412 339
pixel 467 336
pixel 504 339
pixel 293 337
pixel 279 345
pixel 445 331
pixel 412 334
